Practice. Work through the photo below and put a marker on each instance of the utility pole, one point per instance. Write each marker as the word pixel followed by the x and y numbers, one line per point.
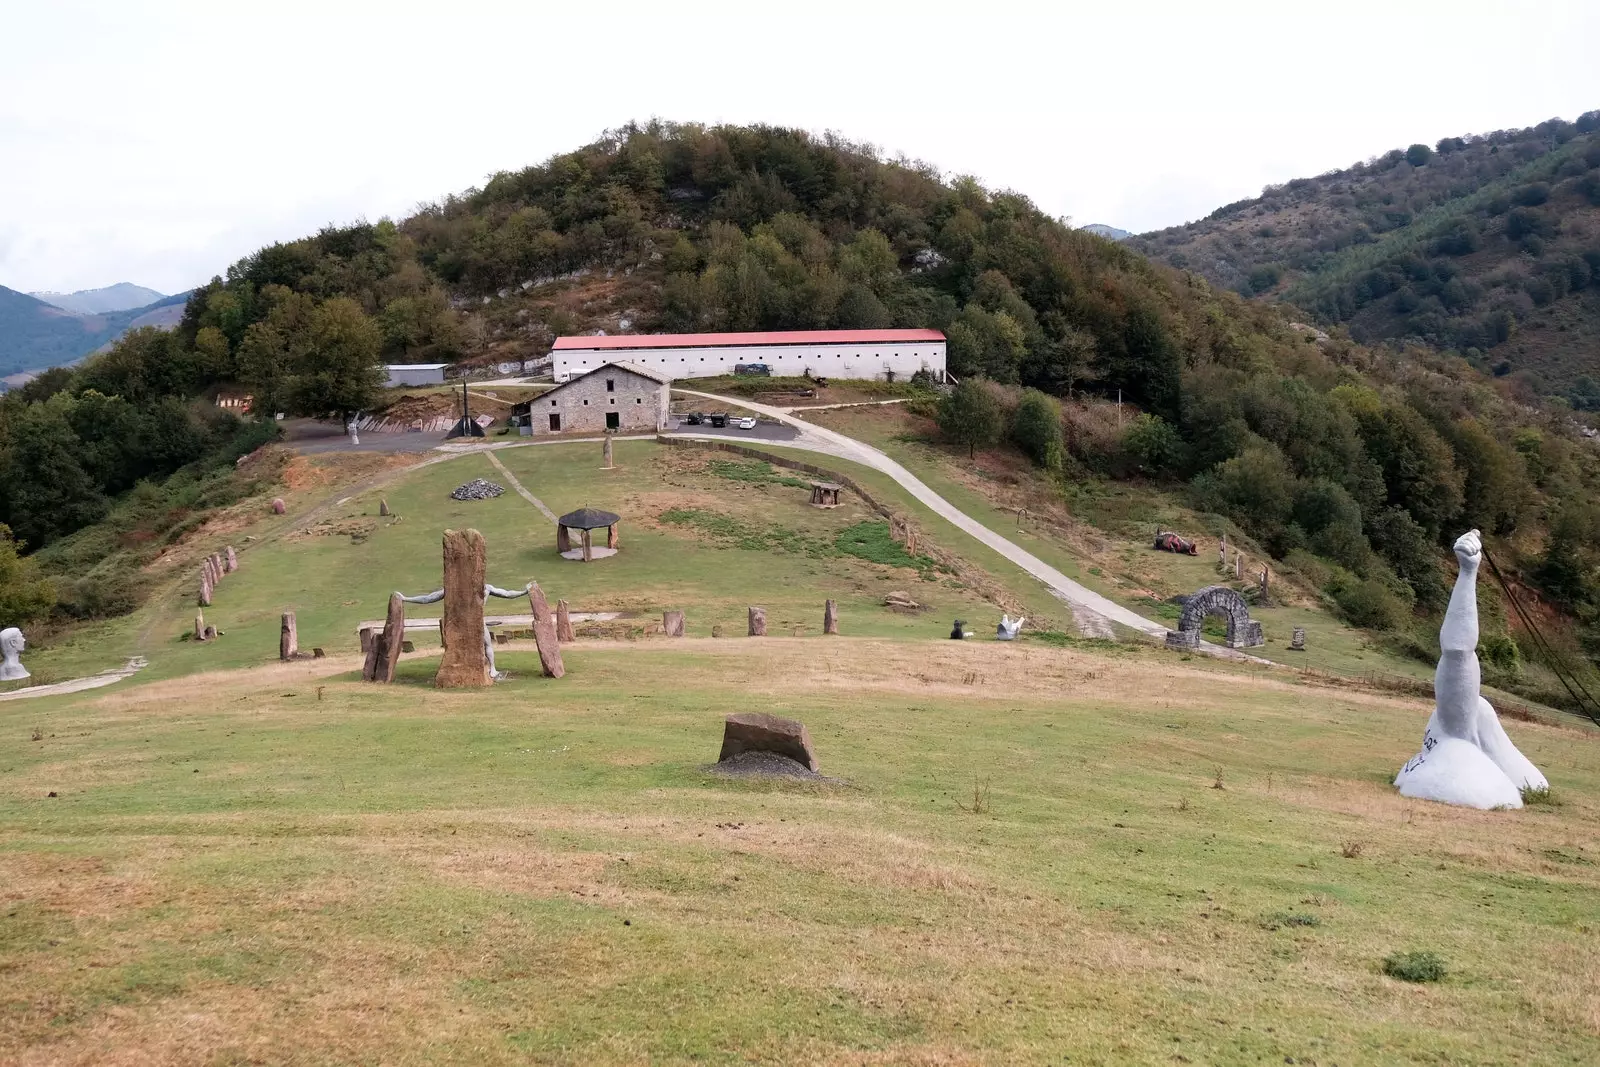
pixel 1119 408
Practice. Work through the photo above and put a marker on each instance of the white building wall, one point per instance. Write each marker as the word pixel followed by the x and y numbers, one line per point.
pixel 871 360
pixel 414 374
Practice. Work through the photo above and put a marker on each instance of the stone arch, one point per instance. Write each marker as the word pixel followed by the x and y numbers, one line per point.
pixel 1243 631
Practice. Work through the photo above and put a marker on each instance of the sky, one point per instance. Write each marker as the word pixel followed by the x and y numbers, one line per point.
pixel 157 143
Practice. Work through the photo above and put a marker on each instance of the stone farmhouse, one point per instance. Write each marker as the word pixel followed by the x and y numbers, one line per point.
pixel 615 396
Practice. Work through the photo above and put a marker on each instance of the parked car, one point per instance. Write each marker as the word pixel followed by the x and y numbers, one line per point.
pixel 760 370
pixel 719 419
pixel 746 423
pixel 693 418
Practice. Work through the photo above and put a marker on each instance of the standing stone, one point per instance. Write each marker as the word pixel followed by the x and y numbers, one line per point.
pixel 613 539
pixel 465 665
pixel 544 634
pixel 830 618
pixel 563 539
pixel 288 639
pixel 383 507
pixel 369 637
pixel 911 541
pixel 232 559
pixel 199 626
pixel 1297 643
pixel 1265 598
pixel 672 623
pixel 1222 551
pixel 205 587
pixel 277 505
pixel 716 629
pixel 210 634
pixel 758 622
pixel 564 634
pixel 759 732
pixel 1238 564
pixel 588 545
pixel 609 463
pixel 392 641
pixel 216 567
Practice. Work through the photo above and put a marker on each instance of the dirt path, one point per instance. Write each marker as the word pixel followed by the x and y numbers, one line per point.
pixel 523 493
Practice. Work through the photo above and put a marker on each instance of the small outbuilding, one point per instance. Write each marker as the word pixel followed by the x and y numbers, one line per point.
pixel 619 397
pixel 585 521
pixel 414 374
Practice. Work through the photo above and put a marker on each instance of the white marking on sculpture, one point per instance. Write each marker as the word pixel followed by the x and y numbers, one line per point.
pixel 488 591
pixel 1466 757
pixel 11 645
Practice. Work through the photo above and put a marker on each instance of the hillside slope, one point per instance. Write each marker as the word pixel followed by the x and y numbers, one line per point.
pixel 1489 245
pixel 35 335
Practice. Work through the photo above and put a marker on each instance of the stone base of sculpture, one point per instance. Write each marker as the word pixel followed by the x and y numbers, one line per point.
pixel 1466 757
pixel 1183 640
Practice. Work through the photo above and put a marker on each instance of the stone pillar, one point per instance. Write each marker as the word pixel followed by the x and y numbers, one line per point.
pixel 830 618
pixel 199 626
pixel 672 623
pixel 277 505
pixel 464 665
pixel 613 539
pixel 758 622
pixel 392 641
pixel 216 565
pixel 369 635
pixel 383 507
pixel 288 639
pixel 608 459
pixel 232 559
pixel 544 634
pixel 563 539
pixel 1265 598
pixel 911 540
pixel 588 545
pixel 205 587
pixel 564 634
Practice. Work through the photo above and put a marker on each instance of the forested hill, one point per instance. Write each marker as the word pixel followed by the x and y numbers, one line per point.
pixel 1364 462
pixel 1488 245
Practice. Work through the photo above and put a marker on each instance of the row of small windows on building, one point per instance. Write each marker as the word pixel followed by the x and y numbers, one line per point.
pixel 780 355
pixel 636 400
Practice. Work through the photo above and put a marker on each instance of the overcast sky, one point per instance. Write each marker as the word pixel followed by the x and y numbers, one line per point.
pixel 159 142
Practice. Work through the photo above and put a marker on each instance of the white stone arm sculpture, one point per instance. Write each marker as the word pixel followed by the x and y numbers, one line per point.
pixel 506 594
pixel 1458 677
pixel 426 598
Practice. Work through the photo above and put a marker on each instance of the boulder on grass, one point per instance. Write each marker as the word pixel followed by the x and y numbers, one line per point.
pixel 755 731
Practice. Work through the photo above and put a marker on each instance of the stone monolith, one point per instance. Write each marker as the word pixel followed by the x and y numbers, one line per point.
pixel 465 664
pixel 544 633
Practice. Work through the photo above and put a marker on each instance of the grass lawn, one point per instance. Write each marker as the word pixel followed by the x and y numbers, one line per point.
pixel 1034 855
pixel 738 535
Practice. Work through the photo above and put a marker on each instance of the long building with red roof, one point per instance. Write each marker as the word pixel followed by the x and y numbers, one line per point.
pixel 881 354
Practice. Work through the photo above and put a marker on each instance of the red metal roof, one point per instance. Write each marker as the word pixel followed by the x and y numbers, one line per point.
pixel 711 340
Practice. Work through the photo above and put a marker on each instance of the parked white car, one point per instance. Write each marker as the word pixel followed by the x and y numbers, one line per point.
pixel 746 423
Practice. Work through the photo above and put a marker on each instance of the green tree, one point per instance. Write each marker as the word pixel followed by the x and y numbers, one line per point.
pixel 24 595
pixel 1419 155
pixel 46 489
pixel 970 415
pixel 339 373
pixel 1152 445
pixel 1036 429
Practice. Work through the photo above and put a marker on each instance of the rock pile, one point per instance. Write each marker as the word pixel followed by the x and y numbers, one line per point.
pixel 477 489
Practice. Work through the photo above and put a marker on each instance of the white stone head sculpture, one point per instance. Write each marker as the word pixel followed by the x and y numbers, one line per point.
pixel 11 645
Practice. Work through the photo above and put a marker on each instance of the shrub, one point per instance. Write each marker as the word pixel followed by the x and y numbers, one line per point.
pixel 970 415
pixel 1414 967
pixel 1036 429
pixel 1152 445
pixel 1369 602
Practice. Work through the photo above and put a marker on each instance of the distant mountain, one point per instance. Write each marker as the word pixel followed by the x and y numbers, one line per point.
pixel 1488 244
pixel 119 297
pixel 1110 233
pixel 35 335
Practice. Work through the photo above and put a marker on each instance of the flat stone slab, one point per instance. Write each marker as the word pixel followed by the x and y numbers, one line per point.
pixel 595 552
pixel 755 731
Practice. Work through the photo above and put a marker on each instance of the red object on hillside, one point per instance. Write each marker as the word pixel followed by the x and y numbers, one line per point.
pixel 1171 542
pixel 780 337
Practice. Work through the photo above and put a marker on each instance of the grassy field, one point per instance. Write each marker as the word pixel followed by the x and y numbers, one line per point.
pixel 734 534
pixel 1031 855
